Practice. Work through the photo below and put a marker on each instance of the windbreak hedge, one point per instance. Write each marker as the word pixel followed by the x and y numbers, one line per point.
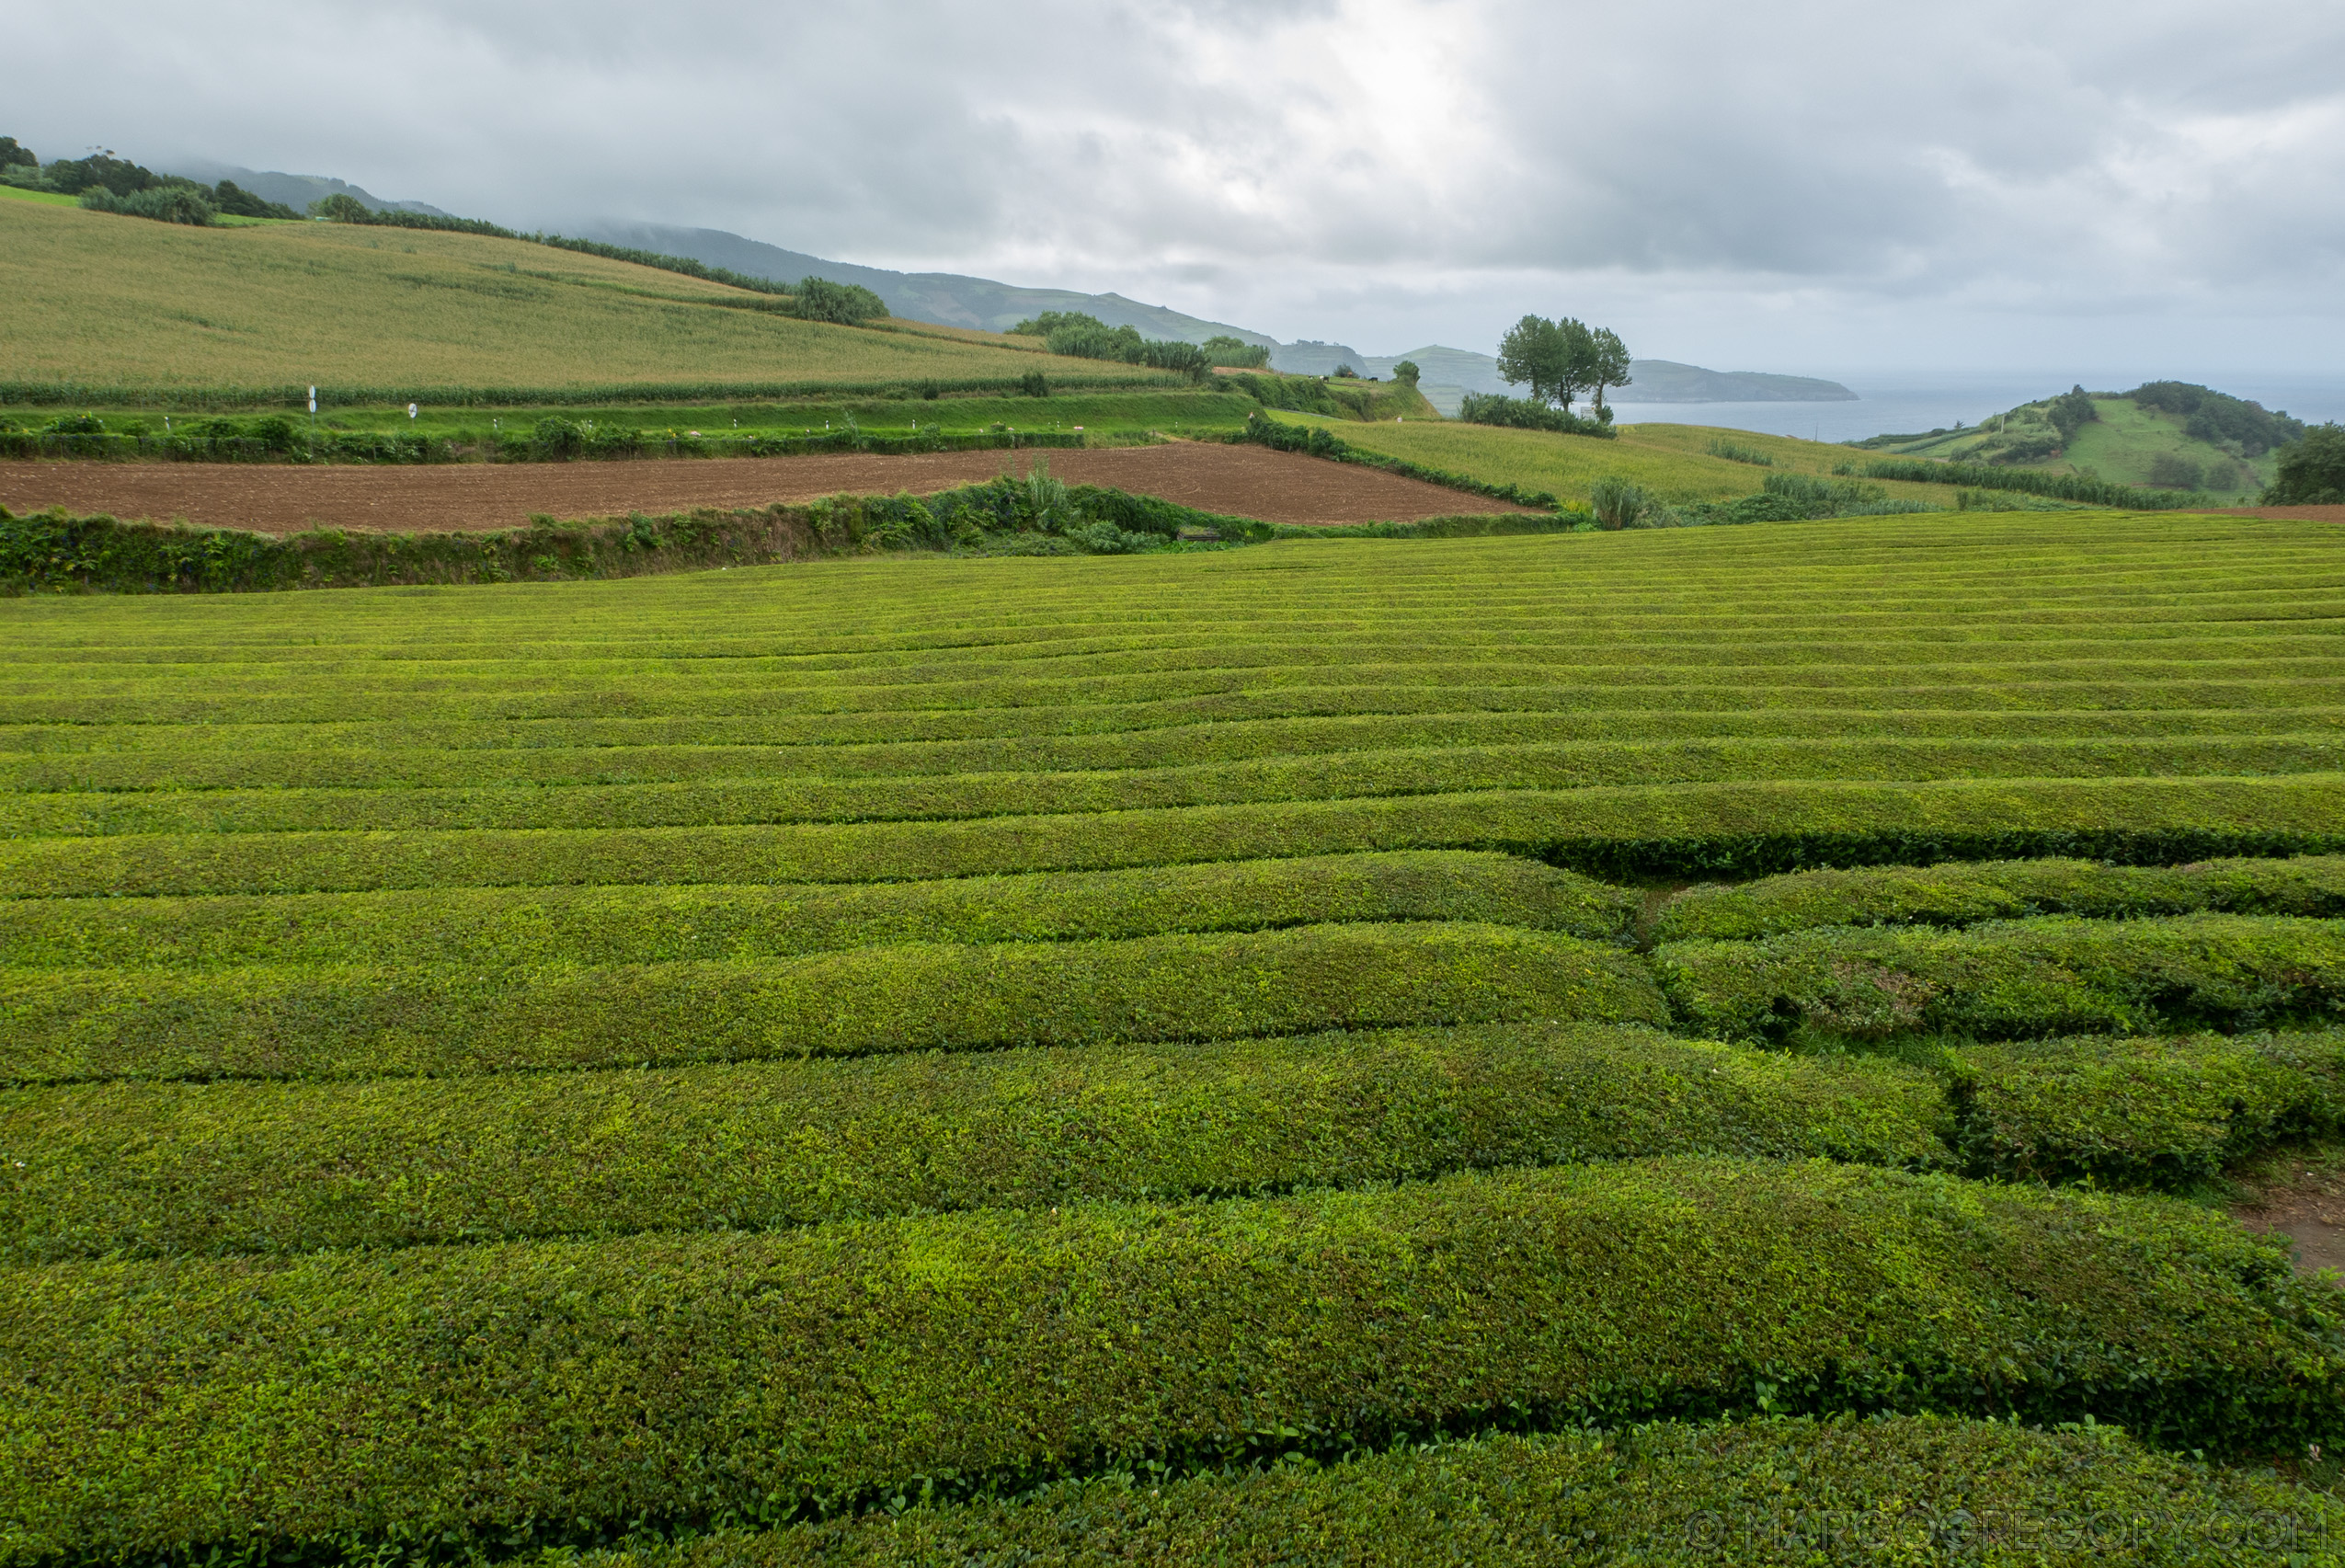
pixel 360 1023
pixel 536 1394
pixel 1700 829
pixel 145 1168
pixel 1786 1493
pixel 1958 894
pixel 505 928
pixel 2007 978
pixel 2159 1110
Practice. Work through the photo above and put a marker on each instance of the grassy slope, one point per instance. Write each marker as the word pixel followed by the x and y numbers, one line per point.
pixel 2120 446
pixel 99 301
pixel 1672 461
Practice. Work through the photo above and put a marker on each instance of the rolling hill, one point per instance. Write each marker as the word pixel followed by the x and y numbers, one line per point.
pixel 2167 435
pixel 108 309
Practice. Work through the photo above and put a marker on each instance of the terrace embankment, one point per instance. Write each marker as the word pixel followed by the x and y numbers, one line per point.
pixel 1245 481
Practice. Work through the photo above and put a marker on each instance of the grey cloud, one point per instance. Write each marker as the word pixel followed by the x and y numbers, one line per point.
pixel 1366 169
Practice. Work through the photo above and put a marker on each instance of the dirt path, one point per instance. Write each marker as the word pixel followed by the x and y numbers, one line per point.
pixel 1245 481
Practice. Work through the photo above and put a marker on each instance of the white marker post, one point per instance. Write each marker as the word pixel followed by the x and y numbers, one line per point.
pixel 313 415
pixel 411 413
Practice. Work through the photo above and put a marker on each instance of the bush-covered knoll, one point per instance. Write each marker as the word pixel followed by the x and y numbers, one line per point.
pixel 463 1393
pixel 2163 1110
pixel 1771 1493
pixel 2006 978
pixel 489 928
pixel 1696 829
pixel 100 304
pixel 1355 776
pixel 360 1021
pixel 221 1168
pixel 1963 894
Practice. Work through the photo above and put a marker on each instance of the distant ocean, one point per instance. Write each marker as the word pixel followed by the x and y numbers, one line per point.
pixel 1925 402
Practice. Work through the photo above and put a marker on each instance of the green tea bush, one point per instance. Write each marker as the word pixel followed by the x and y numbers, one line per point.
pixel 552 1393
pixel 357 1021
pixel 168 1169
pixel 1959 893
pixel 2159 1110
pixel 2007 978
pixel 1780 1493
pixel 1317 441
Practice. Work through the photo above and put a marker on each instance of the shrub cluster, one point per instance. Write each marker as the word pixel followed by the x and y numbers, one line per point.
pixel 1082 336
pixel 2005 979
pixel 1528 413
pixel 2311 472
pixel 1963 893
pixel 2218 419
pixel 453 1396
pixel 220 1168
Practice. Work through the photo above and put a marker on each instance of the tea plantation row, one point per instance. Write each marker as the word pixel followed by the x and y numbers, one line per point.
pixel 921 1060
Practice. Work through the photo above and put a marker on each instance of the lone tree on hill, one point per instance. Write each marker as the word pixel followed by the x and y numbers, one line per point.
pixel 1406 370
pixel 1562 358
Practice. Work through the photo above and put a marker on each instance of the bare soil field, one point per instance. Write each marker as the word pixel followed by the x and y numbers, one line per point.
pixel 2312 514
pixel 1243 481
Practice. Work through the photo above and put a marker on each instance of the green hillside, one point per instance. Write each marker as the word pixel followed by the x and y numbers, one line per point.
pixel 107 309
pixel 2165 435
pixel 908 1059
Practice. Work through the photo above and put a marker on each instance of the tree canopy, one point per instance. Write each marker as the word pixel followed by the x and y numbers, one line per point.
pixel 2312 471
pixel 1563 359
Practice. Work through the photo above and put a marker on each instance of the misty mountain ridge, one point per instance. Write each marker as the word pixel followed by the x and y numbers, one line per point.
pixel 953 298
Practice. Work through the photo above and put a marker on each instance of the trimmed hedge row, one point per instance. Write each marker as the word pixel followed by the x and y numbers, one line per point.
pixel 1786 1493
pixel 560 752
pixel 1356 775
pixel 532 1394
pixel 2048 976
pixel 2160 1110
pixel 2136 682
pixel 221 1168
pixel 1697 828
pixel 1963 894
pixel 364 1023
pixel 493 928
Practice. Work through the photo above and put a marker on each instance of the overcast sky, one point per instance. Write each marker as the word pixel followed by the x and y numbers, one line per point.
pixel 1818 186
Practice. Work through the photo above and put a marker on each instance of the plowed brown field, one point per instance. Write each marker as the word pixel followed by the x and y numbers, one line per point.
pixel 1243 481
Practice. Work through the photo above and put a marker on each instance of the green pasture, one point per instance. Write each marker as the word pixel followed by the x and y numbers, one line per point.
pixel 1672 462
pixel 1344 1049
pixel 107 310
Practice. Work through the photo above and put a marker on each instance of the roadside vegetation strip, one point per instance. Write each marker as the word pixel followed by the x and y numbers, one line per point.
pixel 1959 894
pixel 354 1022
pixel 147 1169
pixel 1356 775
pixel 2155 1111
pixel 1701 830
pixel 2013 979
pixel 1767 1493
pixel 439 757
pixel 480 929
pixel 459 1395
